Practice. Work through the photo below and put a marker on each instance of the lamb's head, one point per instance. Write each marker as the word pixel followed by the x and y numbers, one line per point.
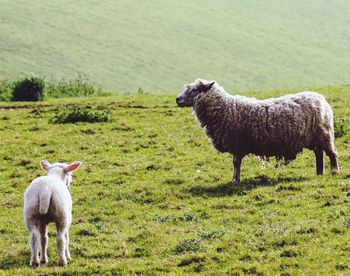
pixel 61 170
pixel 188 96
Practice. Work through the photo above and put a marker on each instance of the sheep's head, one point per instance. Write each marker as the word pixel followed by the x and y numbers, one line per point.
pixel 61 170
pixel 188 96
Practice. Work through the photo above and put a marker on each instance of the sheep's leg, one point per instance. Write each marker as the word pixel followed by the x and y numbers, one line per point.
pixel 61 244
pixel 43 242
pixel 67 248
pixel 237 161
pixel 319 161
pixel 334 161
pixel 34 238
pixel 333 157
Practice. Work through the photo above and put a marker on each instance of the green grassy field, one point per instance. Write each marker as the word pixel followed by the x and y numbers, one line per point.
pixel 159 45
pixel 154 197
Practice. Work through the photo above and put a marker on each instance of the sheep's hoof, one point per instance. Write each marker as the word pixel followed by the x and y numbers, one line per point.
pixel 44 261
pixel 235 181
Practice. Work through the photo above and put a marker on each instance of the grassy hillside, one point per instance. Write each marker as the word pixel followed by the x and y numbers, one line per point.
pixel 153 196
pixel 160 45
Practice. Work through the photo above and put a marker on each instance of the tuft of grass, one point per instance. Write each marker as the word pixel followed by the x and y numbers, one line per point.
pixel 213 234
pixel 78 114
pixel 187 245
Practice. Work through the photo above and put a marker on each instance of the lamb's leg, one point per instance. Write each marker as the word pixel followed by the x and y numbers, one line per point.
pixel 237 161
pixel 43 242
pixel 319 161
pixel 67 248
pixel 34 239
pixel 61 244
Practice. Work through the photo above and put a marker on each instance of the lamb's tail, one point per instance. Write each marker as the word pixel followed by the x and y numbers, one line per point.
pixel 44 202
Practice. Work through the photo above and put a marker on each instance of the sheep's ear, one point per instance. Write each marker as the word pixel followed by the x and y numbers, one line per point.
pixel 72 167
pixel 204 87
pixel 45 165
pixel 210 84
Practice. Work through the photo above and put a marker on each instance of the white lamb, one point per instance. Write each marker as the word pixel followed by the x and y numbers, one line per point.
pixel 48 199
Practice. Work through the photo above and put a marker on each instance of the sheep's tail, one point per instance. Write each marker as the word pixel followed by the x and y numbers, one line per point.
pixel 44 202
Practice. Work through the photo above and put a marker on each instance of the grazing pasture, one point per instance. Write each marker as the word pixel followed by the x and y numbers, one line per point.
pixel 153 196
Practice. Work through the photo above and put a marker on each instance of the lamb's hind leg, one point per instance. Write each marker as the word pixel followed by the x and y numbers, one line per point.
pixel 61 244
pixel 43 242
pixel 237 161
pixel 67 248
pixel 319 161
pixel 34 239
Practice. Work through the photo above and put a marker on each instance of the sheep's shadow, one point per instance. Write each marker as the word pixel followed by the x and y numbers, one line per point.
pixel 241 188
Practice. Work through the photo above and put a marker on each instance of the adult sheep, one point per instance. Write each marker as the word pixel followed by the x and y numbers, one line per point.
pixel 279 127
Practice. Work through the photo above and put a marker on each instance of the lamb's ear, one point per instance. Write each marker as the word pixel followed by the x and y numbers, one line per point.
pixel 72 167
pixel 45 165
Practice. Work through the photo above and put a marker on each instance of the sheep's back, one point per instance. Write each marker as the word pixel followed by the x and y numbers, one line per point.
pixel 273 127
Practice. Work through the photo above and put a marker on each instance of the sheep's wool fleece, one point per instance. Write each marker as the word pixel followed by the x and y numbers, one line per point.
pixel 279 127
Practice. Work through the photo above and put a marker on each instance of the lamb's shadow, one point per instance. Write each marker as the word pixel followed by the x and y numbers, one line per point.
pixel 20 259
pixel 15 260
pixel 229 189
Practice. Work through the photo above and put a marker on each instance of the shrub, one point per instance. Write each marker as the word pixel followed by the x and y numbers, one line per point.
pixel 28 89
pixel 78 114
pixel 79 87
pixel 340 126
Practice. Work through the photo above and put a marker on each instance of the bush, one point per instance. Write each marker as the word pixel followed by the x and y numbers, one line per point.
pixel 78 114
pixel 28 89
pixel 79 87
pixel 340 126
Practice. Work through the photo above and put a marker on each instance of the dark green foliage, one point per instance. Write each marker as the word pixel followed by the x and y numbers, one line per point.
pixel 79 87
pixel 340 126
pixel 78 114
pixel 29 89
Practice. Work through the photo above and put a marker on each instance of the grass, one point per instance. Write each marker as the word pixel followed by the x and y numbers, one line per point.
pixel 160 45
pixel 154 197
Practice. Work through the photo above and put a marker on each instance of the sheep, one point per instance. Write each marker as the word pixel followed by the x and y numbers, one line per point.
pixel 279 127
pixel 48 199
